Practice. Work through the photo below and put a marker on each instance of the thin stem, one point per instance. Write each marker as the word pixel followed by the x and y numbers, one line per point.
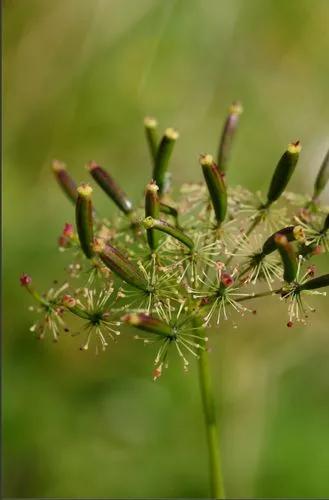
pixel 212 431
pixel 258 295
pixel 252 226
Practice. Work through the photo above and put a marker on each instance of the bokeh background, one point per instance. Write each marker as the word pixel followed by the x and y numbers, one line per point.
pixel 79 76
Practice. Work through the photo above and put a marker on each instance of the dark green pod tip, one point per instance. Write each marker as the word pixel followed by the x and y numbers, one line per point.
pixel 148 324
pixel 227 136
pixel 283 172
pixel 216 186
pixel 150 125
pixel 288 257
pixel 110 187
pixel 152 209
pixel 84 219
pixel 322 177
pixel 163 155
pixel 313 284
pixel 118 263
pixel 165 227
pixel 65 180
pixel 292 233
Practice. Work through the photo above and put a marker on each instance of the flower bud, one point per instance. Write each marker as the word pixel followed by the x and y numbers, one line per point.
pixel 148 324
pixel 152 210
pixel 216 187
pixel 120 265
pixel 25 279
pixel 319 282
pixel 69 301
pixel 292 233
pixel 165 227
pixel 322 177
pixel 226 279
pixel 111 188
pixel 151 125
pixel 228 133
pixel 84 219
pixel 65 180
pixel 283 172
pixel 162 158
pixel 288 257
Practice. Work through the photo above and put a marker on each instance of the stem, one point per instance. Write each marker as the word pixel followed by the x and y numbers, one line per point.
pixel 259 295
pixel 250 229
pixel 215 470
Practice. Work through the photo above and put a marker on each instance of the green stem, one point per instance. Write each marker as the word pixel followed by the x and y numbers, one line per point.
pixel 215 470
pixel 250 229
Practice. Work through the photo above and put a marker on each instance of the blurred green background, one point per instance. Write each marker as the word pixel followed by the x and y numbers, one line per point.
pixel 79 76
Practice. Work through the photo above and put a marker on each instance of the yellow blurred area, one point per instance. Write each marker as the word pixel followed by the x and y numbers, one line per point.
pixel 79 76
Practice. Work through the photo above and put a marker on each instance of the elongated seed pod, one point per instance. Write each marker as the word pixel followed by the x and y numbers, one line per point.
pixel 65 180
pixel 165 227
pixel 292 233
pixel 111 188
pixel 148 324
pixel 163 155
pixel 168 210
pixel 313 284
pixel 227 136
pixel 216 187
pixel 120 265
pixel 152 206
pixel 84 219
pixel 288 257
pixel 151 133
pixel 283 172
pixel 322 177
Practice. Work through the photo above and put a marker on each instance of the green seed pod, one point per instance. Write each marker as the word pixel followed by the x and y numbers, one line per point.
pixel 292 233
pixel 322 177
pixel 319 282
pixel 111 188
pixel 283 172
pixel 228 133
pixel 148 324
pixel 216 187
pixel 150 125
pixel 163 155
pixel 120 265
pixel 84 219
pixel 165 227
pixel 288 257
pixel 152 206
pixel 65 180
pixel 168 210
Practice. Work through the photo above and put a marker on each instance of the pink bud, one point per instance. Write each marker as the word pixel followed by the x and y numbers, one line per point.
pixel 69 301
pixel 311 270
pixel 25 279
pixel 227 279
pixel 68 230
